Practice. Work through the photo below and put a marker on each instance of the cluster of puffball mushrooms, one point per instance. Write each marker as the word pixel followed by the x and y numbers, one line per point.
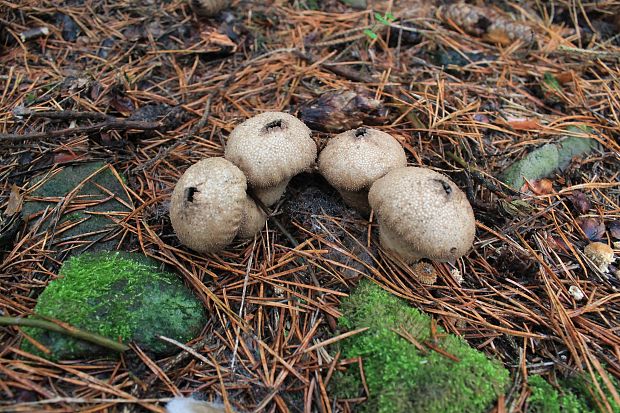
pixel 421 213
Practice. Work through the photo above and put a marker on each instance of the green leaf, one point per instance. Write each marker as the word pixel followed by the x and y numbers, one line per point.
pixel 30 98
pixel 551 82
pixel 370 34
pixel 386 19
pixel 381 19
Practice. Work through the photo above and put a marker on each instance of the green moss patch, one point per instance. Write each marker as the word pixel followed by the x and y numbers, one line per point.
pixel 120 296
pixel 400 377
pixel 574 395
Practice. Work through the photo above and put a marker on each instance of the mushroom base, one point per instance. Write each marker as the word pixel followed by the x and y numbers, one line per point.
pixel 269 196
pixel 253 220
pixel 389 242
pixel 357 200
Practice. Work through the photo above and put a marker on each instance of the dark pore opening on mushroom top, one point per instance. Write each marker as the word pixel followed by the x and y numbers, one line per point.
pixel 189 193
pixel 446 186
pixel 359 132
pixel 275 124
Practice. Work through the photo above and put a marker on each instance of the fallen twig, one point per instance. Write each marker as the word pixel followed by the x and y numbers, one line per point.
pixel 34 33
pixel 73 332
pixel 109 123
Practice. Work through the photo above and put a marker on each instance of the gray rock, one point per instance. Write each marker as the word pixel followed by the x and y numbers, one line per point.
pixel 87 225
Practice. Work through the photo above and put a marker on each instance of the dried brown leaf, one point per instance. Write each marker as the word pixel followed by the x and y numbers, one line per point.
pixel 580 202
pixel 593 228
pixel 14 205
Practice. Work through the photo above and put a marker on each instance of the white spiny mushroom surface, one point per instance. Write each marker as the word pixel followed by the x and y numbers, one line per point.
pixel 424 212
pixel 353 160
pixel 207 205
pixel 271 148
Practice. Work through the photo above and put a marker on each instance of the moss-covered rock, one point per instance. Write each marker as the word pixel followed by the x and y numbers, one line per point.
pixel 81 224
pixel 119 296
pixel 400 377
pixel 574 395
pixel 544 161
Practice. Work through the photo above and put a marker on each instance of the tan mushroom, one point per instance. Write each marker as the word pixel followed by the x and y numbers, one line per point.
pixel 353 160
pixel 208 8
pixel 422 214
pixel 253 219
pixel 209 205
pixel 270 149
pixel 601 255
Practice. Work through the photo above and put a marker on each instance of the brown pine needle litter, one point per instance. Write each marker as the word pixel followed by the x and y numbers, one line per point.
pixel 465 101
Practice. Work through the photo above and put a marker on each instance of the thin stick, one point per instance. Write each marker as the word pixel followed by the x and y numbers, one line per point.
pixel 62 114
pixel 110 124
pixel 72 331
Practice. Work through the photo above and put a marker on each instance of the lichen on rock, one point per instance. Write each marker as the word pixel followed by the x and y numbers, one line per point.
pixel 117 295
pixel 544 161
pixel 400 378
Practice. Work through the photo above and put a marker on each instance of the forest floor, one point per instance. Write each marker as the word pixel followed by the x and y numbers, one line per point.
pixel 163 89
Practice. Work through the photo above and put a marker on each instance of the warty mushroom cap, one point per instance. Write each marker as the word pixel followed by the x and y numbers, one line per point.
pixel 353 160
pixel 207 205
pixel 270 149
pixel 422 214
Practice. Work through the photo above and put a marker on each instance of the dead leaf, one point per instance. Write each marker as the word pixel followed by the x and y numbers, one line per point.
pixel 14 205
pixel 523 124
pixel 564 77
pixel 580 202
pixel 614 229
pixel 498 36
pixel 65 156
pixel 541 186
pixel 593 228
pixel 119 101
pixel 341 110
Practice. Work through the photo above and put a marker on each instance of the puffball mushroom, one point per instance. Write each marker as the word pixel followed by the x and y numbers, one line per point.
pixel 422 214
pixel 270 149
pixel 353 160
pixel 208 8
pixel 209 206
